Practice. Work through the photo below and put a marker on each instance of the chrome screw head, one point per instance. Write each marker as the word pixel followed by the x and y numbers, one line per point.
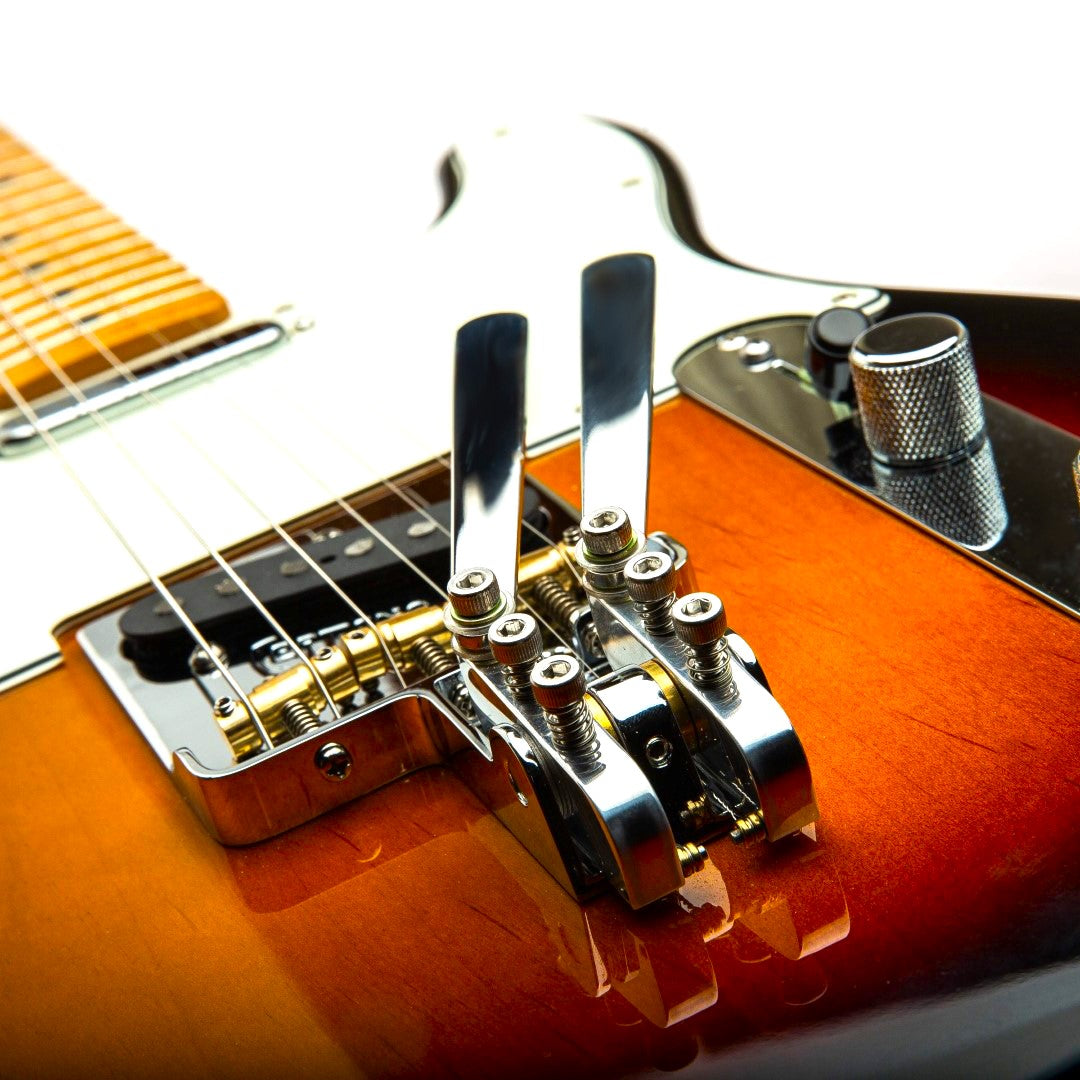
pixel 224 706
pixel 333 761
pixel 558 681
pixel 658 751
pixel 515 639
pixel 606 531
pixel 473 593
pixel 699 618
pixel 650 577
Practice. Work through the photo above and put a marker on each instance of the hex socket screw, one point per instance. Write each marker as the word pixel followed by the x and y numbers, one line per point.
pixel 650 581
pixel 558 685
pixel 516 643
pixel 606 531
pixel 473 593
pixel 700 622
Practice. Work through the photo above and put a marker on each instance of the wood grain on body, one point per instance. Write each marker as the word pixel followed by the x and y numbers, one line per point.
pixel 408 934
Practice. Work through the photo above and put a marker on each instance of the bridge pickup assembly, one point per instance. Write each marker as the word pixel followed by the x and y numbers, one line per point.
pixel 592 697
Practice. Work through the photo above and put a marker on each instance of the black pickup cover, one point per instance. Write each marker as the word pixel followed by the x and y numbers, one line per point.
pixel 299 598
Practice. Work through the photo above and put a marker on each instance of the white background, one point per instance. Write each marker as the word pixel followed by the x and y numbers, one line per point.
pixel 293 146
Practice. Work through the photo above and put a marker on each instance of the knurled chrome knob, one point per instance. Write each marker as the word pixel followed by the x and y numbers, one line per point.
pixel 917 391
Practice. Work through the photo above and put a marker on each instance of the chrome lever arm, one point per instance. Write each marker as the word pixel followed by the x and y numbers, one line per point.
pixel 618 296
pixel 488 446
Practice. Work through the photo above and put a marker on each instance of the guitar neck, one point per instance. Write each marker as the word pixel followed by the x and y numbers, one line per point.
pixel 77 285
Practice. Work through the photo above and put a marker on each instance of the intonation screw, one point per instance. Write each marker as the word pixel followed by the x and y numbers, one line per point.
pixel 748 829
pixel 298 718
pixel 692 858
pixel 650 580
pixel 558 684
pixel 558 606
pixel 516 643
pixel 435 662
pixel 700 622
pixel 474 593
pixel 606 531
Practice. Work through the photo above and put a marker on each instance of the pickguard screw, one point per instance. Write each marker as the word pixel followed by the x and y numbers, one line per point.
pixel 700 622
pixel 650 581
pixel 333 761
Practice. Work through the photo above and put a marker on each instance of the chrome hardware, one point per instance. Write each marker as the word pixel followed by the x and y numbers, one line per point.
pixel 650 582
pixel 1018 520
pixel 617 306
pixel 488 445
pixel 918 395
pixel 609 766
pixel 298 718
pixel 334 762
pixel 516 643
pixel 700 624
pixel 558 684
pixel 155 373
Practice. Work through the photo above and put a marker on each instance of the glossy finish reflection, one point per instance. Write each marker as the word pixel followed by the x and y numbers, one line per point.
pixel 409 934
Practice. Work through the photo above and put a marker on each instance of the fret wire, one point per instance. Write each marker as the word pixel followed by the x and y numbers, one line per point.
pixel 160 587
pixel 152 399
pixel 73 388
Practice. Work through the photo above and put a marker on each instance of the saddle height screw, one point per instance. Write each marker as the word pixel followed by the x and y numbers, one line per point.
pixel 558 684
pixel 700 622
pixel 516 643
pixel 650 580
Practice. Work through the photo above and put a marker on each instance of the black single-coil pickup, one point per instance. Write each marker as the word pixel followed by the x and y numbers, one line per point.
pixel 377 574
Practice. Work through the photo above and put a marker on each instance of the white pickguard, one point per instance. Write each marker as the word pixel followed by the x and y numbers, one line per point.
pixel 365 394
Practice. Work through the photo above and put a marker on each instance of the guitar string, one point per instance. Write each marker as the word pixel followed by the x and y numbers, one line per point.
pixel 58 372
pixel 31 416
pixel 153 399
pixel 126 372
pixel 421 506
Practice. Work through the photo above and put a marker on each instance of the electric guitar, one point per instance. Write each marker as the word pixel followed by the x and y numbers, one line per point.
pixel 376 908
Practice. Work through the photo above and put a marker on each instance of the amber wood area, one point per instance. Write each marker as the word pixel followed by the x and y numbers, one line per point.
pixel 75 280
pixel 409 935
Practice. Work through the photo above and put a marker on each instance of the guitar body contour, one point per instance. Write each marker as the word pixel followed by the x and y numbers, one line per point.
pixel 409 934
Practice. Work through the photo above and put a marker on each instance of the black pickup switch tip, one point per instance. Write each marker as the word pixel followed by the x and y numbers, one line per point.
pixel 829 338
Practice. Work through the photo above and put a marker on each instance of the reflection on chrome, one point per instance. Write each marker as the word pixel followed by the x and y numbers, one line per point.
pixel 961 499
